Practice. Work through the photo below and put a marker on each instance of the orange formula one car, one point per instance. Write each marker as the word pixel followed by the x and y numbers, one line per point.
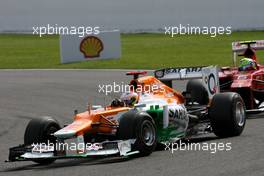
pixel 149 114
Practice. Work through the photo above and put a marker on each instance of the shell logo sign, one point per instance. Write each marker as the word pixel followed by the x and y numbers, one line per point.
pixel 105 45
pixel 91 47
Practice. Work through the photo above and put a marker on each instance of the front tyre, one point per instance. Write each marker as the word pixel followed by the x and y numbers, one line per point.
pixel 227 114
pixel 146 139
pixel 40 130
pixel 139 126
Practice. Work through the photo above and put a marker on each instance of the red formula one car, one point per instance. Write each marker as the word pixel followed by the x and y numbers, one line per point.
pixel 248 82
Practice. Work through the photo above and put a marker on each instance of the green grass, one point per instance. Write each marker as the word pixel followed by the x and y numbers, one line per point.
pixel 140 51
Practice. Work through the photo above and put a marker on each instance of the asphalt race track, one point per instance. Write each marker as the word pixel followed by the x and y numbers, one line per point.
pixel 26 94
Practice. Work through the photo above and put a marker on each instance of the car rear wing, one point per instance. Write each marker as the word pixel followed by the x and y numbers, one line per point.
pixel 240 46
pixel 208 75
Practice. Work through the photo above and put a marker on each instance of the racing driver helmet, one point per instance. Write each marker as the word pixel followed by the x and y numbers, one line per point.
pixel 247 64
pixel 129 98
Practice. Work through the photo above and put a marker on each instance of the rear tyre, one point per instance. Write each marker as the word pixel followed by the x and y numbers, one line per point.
pixel 227 114
pixel 39 130
pixel 139 126
pixel 197 91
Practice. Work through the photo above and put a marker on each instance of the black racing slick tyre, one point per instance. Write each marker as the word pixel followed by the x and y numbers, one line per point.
pixel 227 114
pixel 197 92
pixel 139 126
pixel 40 130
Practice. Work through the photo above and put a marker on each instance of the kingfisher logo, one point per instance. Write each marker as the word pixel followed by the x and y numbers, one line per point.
pixel 91 47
